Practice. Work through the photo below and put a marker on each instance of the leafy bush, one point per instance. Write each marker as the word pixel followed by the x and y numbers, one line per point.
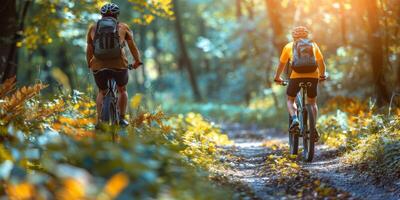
pixel 230 113
pixel 62 157
pixel 371 140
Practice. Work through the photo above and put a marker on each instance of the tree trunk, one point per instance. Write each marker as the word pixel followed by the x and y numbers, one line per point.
pixel 250 6
pixel 343 22
pixel 142 46
pixel 376 53
pixel 8 22
pixel 238 9
pixel 398 76
pixel 47 68
pixel 274 8
pixel 65 65
pixel 184 53
pixel 157 48
pixel 274 13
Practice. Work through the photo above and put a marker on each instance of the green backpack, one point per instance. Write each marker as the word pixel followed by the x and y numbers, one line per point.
pixel 106 39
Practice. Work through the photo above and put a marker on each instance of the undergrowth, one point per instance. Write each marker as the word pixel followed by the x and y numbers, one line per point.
pixel 371 140
pixel 253 114
pixel 50 150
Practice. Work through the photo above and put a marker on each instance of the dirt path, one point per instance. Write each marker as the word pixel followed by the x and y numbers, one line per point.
pixel 258 161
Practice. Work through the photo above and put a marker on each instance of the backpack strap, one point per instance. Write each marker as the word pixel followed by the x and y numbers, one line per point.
pixel 119 43
pixel 95 33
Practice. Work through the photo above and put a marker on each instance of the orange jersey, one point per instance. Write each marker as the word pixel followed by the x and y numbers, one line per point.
pixel 125 34
pixel 287 54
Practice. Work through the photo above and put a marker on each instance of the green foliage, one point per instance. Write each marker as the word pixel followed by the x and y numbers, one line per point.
pixel 231 113
pixel 52 19
pixel 371 140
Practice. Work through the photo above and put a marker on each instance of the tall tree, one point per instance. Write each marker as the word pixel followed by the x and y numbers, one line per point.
pixel 65 65
pixel 238 9
pixel 376 52
pixel 8 22
pixel 156 46
pixel 142 46
pixel 184 53
pixel 274 11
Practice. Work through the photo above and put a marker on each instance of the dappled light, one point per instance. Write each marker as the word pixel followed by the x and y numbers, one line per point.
pixel 190 99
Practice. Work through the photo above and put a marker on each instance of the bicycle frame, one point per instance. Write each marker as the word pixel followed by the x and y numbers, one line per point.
pixel 112 88
pixel 301 102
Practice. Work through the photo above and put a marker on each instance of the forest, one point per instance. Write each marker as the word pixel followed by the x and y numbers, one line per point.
pixel 207 119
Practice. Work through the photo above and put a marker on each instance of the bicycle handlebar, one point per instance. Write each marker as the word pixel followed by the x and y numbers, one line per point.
pixel 130 66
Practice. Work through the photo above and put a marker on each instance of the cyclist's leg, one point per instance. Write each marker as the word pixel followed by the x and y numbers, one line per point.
pixel 314 106
pixel 122 100
pixel 101 82
pixel 291 105
pixel 312 93
pixel 292 90
pixel 122 79
pixel 99 102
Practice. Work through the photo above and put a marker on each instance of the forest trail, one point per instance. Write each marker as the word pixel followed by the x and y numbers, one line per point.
pixel 327 176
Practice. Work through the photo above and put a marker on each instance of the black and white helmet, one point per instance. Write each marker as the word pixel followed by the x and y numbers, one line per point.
pixel 110 8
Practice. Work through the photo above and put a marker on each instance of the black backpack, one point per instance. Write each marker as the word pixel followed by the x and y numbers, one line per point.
pixel 303 56
pixel 106 39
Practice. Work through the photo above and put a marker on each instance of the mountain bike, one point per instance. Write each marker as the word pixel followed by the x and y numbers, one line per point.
pixel 307 128
pixel 110 113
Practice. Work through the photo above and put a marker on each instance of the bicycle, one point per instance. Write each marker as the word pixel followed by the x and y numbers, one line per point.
pixel 307 128
pixel 109 111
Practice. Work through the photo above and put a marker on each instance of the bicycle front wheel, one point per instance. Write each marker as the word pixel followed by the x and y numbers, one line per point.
pixel 309 136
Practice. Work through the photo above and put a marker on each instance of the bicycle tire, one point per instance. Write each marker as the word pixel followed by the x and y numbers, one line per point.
pixel 105 109
pixel 309 136
pixel 293 140
pixel 114 114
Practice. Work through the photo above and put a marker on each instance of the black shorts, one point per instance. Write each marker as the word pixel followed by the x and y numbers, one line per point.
pixel 101 77
pixel 294 87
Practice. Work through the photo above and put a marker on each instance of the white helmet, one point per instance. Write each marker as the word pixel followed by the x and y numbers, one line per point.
pixel 110 8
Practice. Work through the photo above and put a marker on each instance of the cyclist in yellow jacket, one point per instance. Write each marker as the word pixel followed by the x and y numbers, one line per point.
pixel 314 77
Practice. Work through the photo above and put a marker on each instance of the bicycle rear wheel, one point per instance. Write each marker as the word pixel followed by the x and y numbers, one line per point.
pixel 114 120
pixel 109 111
pixel 293 140
pixel 105 109
pixel 309 135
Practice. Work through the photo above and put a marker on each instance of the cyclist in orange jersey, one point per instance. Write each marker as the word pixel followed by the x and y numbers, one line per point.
pixel 314 72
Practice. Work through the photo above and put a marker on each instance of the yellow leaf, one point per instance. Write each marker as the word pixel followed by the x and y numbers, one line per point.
pixel 72 189
pixel 116 184
pixel 136 100
pixel 20 191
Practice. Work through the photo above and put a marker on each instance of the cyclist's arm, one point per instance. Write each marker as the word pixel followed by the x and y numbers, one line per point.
pixel 89 48
pixel 280 69
pixel 321 68
pixel 132 46
pixel 134 50
pixel 282 61
pixel 320 61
